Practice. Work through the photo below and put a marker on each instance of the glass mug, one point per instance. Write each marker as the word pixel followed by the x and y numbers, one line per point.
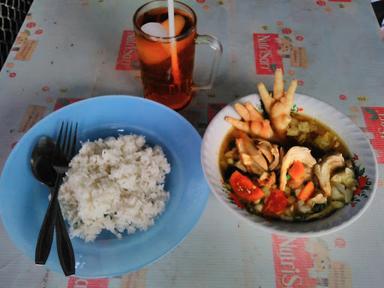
pixel 167 62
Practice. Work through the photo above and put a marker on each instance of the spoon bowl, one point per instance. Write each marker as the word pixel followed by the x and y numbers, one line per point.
pixel 41 161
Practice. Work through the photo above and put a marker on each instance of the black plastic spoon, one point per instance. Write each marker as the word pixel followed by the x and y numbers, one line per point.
pixel 42 169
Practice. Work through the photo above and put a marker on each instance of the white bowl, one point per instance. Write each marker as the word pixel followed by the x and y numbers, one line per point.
pixel 356 141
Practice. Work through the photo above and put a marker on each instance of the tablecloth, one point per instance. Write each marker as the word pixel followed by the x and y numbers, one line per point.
pixel 74 49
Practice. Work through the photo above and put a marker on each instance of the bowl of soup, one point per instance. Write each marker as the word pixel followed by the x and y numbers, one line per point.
pixel 307 171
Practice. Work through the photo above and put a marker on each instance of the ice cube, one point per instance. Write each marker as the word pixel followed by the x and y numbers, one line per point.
pixel 179 24
pixel 154 29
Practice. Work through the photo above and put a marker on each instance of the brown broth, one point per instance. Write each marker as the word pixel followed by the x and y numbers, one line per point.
pixel 228 143
pixel 321 130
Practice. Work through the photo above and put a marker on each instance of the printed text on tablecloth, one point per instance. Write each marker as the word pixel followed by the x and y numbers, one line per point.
pixel 127 58
pixel 374 122
pixel 308 263
pixel 267 56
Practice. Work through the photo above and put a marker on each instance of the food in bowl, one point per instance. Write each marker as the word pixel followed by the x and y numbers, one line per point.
pixel 116 184
pixel 279 164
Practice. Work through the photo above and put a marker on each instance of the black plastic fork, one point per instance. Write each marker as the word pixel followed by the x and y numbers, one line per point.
pixel 65 149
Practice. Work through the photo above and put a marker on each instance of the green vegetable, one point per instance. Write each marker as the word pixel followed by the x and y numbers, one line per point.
pixel 240 165
pixel 313 127
pixel 327 210
pixel 347 178
pixel 338 192
pixel 302 138
pixel 348 195
pixel 337 204
pixel 304 127
pixel 293 131
pixel 324 141
pixel 259 207
pixel 266 191
pixel 227 186
pixel 303 208
pixel 343 185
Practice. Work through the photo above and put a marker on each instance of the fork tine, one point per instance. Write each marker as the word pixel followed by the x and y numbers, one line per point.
pixel 63 143
pixel 67 145
pixel 66 140
pixel 74 140
pixel 59 137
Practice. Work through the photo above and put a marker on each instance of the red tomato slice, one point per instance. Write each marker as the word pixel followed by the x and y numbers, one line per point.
pixel 244 188
pixel 276 203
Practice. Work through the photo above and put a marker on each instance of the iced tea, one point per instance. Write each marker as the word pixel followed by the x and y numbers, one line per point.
pixel 164 81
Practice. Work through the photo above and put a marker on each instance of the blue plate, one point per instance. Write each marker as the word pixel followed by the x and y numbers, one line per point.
pixel 23 200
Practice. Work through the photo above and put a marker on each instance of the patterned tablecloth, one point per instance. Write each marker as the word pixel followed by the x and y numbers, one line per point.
pixel 74 49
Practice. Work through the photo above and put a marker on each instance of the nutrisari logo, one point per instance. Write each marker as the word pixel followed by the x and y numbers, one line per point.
pixel 374 121
pixel 306 263
pixel 267 57
pixel 127 58
pixel 74 282
pixel 292 262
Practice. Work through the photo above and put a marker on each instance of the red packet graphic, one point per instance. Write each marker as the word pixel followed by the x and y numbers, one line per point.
pixel 127 58
pixel 292 262
pixel 374 121
pixel 267 57
pixel 61 102
pixel 74 282
pixel 213 109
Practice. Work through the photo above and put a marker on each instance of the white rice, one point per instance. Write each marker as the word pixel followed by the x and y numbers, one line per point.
pixel 115 184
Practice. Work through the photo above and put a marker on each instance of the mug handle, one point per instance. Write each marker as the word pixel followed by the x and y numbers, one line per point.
pixel 217 48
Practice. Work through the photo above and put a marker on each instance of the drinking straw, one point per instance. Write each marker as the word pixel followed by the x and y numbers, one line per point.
pixel 171 32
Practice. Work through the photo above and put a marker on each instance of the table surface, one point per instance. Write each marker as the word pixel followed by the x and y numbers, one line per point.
pixel 74 49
